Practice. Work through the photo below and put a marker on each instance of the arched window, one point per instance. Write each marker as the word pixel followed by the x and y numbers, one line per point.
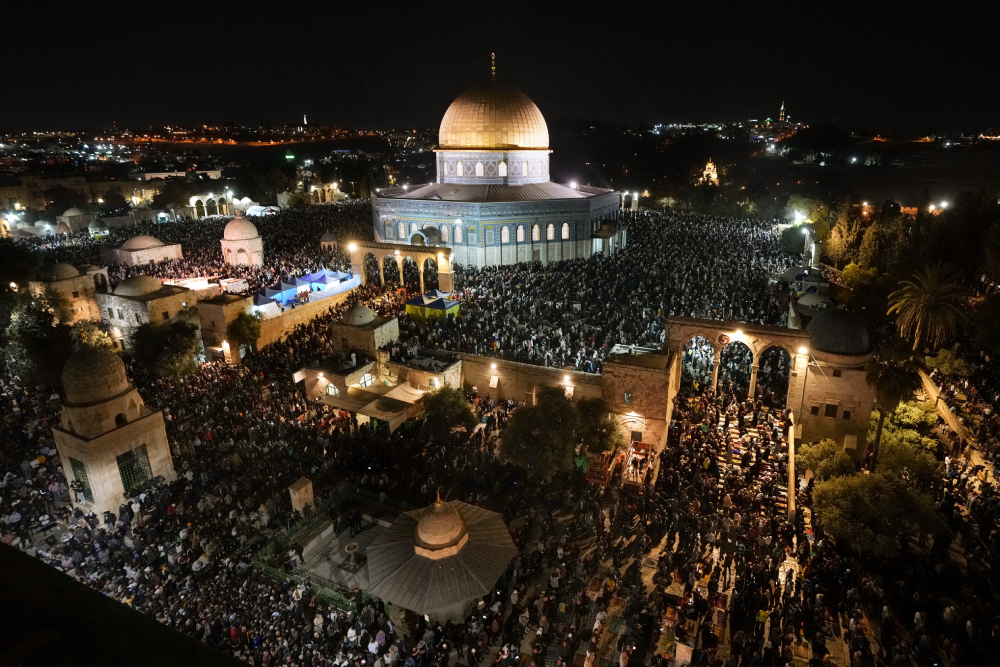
pixel 490 237
pixel 413 228
pixel 458 234
pixel 471 233
pixel 550 232
pixel 458 168
pixel 502 169
pixel 520 233
pixel 524 168
pixel 331 390
pixel 565 231
pixel 402 230
pixel 505 234
pixel 388 230
pixel 536 233
pixel 444 233
pixel 479 169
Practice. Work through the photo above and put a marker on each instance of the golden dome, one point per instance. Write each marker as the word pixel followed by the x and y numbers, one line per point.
pixel 493 116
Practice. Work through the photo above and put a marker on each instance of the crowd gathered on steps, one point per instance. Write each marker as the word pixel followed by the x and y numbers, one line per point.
pixel 570 314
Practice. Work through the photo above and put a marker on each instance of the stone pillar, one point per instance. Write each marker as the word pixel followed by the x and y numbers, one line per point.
pixel 422 290
pixel 753 380
pixel 381 273
pixel 446 281
pixel 302 494
pixel 715 370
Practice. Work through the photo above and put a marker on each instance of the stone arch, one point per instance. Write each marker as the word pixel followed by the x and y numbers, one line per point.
pixel 199 208
pixel 627 201
pixel 229 255
pixel 505 234
pixel 418 238
pixel 389 229
pixel 100 282
pixel 565 231
pixel 697 362
pixel 735 364
pixel 550 232
pixel 242 256
pixel 502 169
pixel 774 367
pixel 411 274
pixel 430 274
pixel 211 207
pixel 370 266
pixel 121 419
pixel 390 270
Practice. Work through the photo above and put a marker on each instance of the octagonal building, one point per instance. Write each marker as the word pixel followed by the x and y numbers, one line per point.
pixel 493 202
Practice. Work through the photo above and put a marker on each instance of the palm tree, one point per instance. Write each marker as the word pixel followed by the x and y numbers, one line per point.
pixel 930 305
pixel 894 379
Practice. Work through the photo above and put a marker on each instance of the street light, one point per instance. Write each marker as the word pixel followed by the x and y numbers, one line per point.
pixel 944 204
pixel 352 247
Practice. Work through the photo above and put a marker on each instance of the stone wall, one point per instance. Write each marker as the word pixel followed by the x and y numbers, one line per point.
pixel 140 257
pixel 646 408
pixel 522 381
pixel 826 394
pixel 78 294
pixel 124 314
pixel 278 328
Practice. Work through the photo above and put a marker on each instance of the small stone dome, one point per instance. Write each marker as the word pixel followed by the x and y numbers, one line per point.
pixel 358 315
pixel 94 374
pixel 71 212
pixel 142 242
pixel 59 271
pixel 98 225
pixel 328 237
pixel 240 229
pixel 138 286
pixel 440 525
pixel 837 331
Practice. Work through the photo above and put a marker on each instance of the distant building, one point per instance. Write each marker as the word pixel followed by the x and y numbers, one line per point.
pixel 241 243
pixel 710 175
pixel 143 300
pixel 76 288
pixel 142 249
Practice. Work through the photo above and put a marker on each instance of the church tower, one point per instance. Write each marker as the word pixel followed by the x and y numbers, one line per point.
pixel 108 439
pixel 781 114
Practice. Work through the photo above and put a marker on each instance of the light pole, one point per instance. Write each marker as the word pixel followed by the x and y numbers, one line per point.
pixel 792 481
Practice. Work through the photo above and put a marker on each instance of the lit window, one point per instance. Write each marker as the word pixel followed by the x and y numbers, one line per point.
pixel 413 228
pixel 444 233
pixel 502 170
pixel 536 233
pixel 331 389
pixel 367 379
pixel 565 231
pixel 520 233
pixel 402 230
pixel 472 235
pixel 479 169
pixel 550 233
pixel 458 167
pixel 505 235
pixel 458 234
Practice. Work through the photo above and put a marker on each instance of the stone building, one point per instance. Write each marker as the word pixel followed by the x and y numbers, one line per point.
pixel 142 249
pixel 140 300
pixel 75 219
pixel 360 329
pixel 493 201
pixel 108 439
pixel 75 288
pixel 214 316
pixel 241 243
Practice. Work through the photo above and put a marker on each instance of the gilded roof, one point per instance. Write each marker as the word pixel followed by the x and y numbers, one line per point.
pixel 493 116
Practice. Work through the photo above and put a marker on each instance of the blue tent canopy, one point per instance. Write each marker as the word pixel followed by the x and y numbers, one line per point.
pixel 312 277
pixel 437 294
pixel 270 292
pixel 288 287
pixel 260 299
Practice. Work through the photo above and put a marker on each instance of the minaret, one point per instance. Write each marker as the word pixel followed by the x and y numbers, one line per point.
pixel 781 114
pixel 493 65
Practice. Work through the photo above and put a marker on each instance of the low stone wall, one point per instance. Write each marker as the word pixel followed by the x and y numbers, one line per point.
pixel 521 381
pixel 949 417
pixel 278 328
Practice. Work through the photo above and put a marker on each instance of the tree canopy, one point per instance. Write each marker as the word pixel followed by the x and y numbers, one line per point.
pixel 447 408
pixel 542 437
pixel 244 330
pixel 36 344
pixel 825 458
pixel 930 305
pixel 167 350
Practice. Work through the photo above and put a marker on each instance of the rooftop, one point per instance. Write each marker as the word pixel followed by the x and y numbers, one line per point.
pixel 493 193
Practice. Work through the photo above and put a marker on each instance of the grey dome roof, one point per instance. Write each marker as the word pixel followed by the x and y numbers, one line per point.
pixel 359 314
pixel 328 237
pixel 138 286
pixel 72 212
pixel 837 331
pixel 93 374
pixel 58 272
pixel 239 229
pixel 141 242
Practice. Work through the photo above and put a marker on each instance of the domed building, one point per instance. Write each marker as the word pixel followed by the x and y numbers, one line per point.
pixel 108 439
pixel 440 559
pixel 75 219
pixel 241 243
pixel 140 250
pixel 76 289
pixel 143 300
pixel 493 201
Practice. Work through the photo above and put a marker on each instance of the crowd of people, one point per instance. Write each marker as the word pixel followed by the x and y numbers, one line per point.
pixel 714 521
pixel 570 314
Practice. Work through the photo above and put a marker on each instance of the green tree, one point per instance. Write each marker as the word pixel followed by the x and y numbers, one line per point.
pixel 36 344
pixel 173 191
pixel 447 408
pixel 542 437
pixel 825 458
pixel 298 200
pixel 114 203
pixel 18 265
pixel 167 350
pixel 812 210
pixel 845 237
pixel 873 513
pixel 894 379
pixel 599 431
pixel 854 277
pixel 244 330
pixel 949 363
pixel 92 332
pixel 874 247
pixel 930 306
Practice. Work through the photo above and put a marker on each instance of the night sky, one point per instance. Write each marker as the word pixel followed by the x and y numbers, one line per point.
pixel 80 65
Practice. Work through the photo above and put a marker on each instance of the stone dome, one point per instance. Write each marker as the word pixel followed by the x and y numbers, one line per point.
pixel 141 242
pixel 837 331
pixel 94 374
pixel 73 212
pixel 58 272
pixel 359 314
pixel 138 286
pixel 328 237
pixel 240 229
pixel 97 224
pixel 493 116
pixel 440 525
